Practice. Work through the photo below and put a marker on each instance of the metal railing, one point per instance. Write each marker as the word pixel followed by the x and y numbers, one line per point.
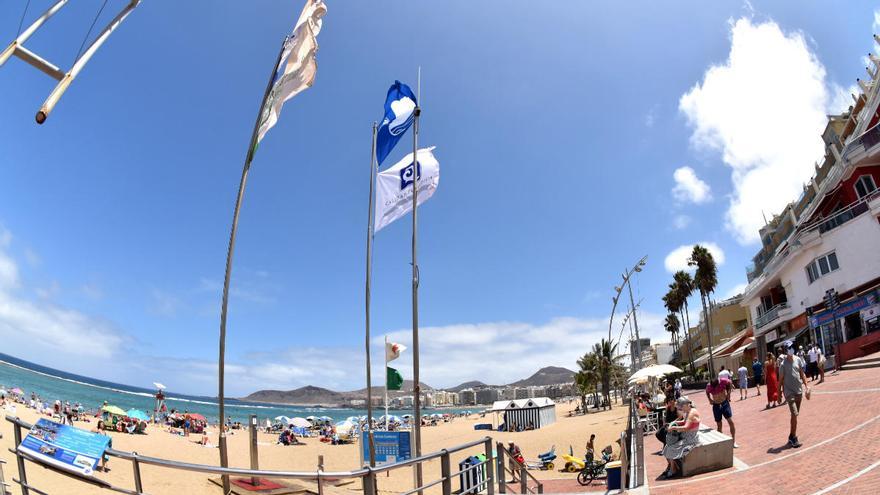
pixel 518 468
pixel 367 475
pixel 770 315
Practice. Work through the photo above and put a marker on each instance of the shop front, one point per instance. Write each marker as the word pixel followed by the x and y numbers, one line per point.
pixel 856 321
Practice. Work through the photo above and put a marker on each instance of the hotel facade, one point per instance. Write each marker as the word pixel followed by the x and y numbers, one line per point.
pixel 816 277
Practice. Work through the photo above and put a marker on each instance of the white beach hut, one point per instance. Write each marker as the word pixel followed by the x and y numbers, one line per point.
pixel 525 413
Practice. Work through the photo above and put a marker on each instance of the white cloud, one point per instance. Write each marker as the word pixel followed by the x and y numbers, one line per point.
pixel 763 109
pixel 677 259
pixel 735 290
pixel 49 292
pixel 689 187
pixel 92 291
pixel 651 117
pixel 164 304
pixel 681 222
pixel 32 329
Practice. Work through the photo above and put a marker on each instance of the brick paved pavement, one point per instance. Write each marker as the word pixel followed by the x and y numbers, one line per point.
pixel 839 429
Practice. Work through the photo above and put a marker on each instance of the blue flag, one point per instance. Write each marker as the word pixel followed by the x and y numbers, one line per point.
pixel 399 106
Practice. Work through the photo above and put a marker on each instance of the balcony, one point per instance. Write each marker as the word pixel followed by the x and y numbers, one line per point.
pixel 772 314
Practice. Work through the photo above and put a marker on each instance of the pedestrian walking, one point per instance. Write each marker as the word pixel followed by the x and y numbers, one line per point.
pixel 772 382
pixel 793 386
pixel 758 373
pixel 813 363
pixel 718 392
pixel 743 373
pixel 725 373
pixel 821 365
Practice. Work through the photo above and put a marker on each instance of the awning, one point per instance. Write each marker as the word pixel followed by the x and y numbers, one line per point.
pixel 725 347
pixel 748 343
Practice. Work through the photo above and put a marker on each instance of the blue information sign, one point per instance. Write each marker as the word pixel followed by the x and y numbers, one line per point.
pixel 391 447
pixel 64 446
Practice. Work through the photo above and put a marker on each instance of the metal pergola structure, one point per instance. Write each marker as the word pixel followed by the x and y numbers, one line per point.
pixel 17 48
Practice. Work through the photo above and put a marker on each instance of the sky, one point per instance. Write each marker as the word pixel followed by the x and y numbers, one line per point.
pixel 573 139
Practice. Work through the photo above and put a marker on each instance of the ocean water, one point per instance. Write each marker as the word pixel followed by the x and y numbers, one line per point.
pixel 51 384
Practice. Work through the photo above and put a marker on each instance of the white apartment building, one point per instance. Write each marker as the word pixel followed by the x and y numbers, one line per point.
pixel 826 240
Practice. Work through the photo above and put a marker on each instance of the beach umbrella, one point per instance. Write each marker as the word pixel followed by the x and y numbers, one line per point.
pixel 196 416
pixel 16 391
pixel 299 422
pixel 159 385
pixel 282 419
pixel 353 419
pixel 116 411
pixel 407 416
pixel 311 419
pixel 326 419
pixel 137 414
pixel 2 392
pixel 653 371
pixel 345 427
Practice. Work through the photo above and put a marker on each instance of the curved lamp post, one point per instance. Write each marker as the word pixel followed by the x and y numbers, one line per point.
pixel 626 279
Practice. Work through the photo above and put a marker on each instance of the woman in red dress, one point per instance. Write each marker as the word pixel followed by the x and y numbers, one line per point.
pixel 772 383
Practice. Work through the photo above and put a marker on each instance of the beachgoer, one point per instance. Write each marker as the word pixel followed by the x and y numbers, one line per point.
pixel 772 382
pixel 100 429
pixel 670 414
pixel 718 392
pixel 743 373
pixel 821 365
pixel 758 372
pixel 793 386
pixel 813 363
pixel 677 388
pixel 591 448
pixel 681 436
pixel 725 373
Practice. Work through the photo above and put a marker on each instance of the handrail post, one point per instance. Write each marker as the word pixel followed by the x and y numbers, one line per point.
pixel 320 471
pixel 369 481
pixel 502 488
pixel 445 471
pixel 523 481
pixel 3 484
pixel 22 474
pixel 490 467
pixel 136 465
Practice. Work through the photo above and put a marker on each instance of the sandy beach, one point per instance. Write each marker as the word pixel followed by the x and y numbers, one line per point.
pixel 159 442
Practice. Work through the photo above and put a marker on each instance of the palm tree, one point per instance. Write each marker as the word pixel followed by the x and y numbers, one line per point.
pixel 705 279
pixel 684 286
pixel 605 353
pixel 587 378
pixel 671 325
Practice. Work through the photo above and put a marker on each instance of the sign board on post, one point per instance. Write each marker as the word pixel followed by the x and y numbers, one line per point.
pixel 391 447
pixel 64 447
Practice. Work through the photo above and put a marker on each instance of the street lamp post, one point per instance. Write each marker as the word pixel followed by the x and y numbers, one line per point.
pixel 626 280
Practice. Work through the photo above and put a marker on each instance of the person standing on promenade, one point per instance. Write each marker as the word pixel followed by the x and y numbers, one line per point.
pixel 718 392
pixel 821 365
pixel 813 363
pixel 743 373
pixel 758 372
pixel 770 370
pixel 725 373
pixel 793 386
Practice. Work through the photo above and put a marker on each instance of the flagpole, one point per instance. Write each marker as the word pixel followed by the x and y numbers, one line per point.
pixel 415 289
pixel 372 447
pixel 224 457
pixel 386 383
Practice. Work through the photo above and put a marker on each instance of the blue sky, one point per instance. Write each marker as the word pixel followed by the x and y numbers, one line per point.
pixel 560 129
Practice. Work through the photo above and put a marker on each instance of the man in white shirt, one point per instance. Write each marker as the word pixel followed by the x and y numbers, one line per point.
pixel 743 373
pixel 724 373
pixel 813 363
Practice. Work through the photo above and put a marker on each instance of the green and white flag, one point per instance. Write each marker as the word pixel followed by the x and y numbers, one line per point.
pixel 393 379
pixel 297 66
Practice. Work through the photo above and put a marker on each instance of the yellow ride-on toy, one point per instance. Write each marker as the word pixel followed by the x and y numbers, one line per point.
pixel 572 464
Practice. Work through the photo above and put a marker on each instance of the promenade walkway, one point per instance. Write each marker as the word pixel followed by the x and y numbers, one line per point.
pixel 839 429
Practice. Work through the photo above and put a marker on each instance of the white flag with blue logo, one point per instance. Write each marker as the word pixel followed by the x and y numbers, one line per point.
pixel 399 106
pixel 297 67
pixel 394 186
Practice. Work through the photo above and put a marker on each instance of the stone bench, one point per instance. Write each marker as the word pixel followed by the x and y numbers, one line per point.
pixel 713 452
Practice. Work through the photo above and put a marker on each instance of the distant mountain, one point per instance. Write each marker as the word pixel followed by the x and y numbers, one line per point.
pixel 471 384
pixel 307 395
pixel 406 388
pixel 311 395
pixel 550 375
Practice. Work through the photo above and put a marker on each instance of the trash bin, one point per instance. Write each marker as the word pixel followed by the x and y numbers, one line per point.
pixel 473 480
pixel 613 482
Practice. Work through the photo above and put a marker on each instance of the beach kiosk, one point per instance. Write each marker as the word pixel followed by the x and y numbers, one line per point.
pixel 523 414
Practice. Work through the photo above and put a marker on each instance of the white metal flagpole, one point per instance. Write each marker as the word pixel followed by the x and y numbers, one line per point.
pixel 386 382
pixel 417 406
pixel 369 276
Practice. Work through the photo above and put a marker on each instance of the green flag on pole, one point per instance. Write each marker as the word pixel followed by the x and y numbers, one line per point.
pixel 393 380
